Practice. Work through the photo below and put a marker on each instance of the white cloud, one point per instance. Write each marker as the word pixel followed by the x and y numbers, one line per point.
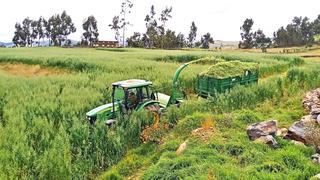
pixel 221 18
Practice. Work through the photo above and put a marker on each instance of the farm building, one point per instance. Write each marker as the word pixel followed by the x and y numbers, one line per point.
pixel 218 44
pixel 108 44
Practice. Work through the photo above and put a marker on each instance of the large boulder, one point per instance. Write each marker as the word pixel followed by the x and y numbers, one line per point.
pixel 269 140
pixel 297 132
pixel 299 129
pixel 265 128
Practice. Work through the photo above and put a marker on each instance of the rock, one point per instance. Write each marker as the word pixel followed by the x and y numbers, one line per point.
pixel 297 143
pixel 282 132
pixel 311 102
pixel 316 176
pixel 181 148
pixel 316 158
pixel 297 132
pixel 269 140
pixel 309 119
pixel 299 129
pixel 257 130
pixel 315 110
pixel 318 119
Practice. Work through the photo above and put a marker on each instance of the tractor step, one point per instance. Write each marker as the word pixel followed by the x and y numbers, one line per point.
pixel 110 122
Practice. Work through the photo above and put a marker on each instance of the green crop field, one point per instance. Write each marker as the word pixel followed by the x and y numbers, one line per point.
pixel 45 93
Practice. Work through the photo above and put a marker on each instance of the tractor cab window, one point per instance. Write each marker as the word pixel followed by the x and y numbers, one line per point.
pixel 132 98
pixel 145 93
pixel 118 94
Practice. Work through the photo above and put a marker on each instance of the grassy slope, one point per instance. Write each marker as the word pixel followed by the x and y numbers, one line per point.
pixel 228 154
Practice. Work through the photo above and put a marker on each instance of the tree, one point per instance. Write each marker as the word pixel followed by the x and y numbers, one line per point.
pixel 91 34
pixel 164 16
pixel 19 38
pixel 299 32
pixel 281 37
pixel 135 40
pixel 41 28
pixel 181 41
pixel 54 30
pixel 192 34
pixel 260 40
pixel 307 32
pixel 26 26
pixel 151 35
pixel 170 40
pixel 316 25
pixel 67 27
pixel 116 27
pixel 59 27
pixel 246 34
pixel 125 10
pixel 206 40
pixel 33 31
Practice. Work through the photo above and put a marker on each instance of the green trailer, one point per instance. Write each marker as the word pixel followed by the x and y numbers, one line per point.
pixel 223 76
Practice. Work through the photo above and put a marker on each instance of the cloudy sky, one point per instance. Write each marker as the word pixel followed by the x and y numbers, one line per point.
pixel 222 18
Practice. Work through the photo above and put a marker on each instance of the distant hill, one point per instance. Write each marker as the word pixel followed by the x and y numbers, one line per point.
pixel 42 43
pixel 7 44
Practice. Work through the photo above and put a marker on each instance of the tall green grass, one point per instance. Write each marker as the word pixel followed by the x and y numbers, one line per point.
pixel 44 133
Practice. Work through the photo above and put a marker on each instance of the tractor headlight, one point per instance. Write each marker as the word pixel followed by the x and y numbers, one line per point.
pixel 91 120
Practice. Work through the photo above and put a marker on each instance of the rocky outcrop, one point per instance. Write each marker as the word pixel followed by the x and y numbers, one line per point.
pixel 257 130
pixel 311 102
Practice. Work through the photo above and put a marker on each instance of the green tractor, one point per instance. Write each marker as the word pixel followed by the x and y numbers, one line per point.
pixel 134 95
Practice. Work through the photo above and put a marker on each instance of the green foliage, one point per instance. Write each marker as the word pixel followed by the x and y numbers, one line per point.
pixel 229 69
pixel 189 123
pixel 44 133
pixel 179 58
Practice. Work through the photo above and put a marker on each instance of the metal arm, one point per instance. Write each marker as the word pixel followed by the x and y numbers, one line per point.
pixel 175 94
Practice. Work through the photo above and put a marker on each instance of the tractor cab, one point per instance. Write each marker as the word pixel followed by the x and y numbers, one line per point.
pixel 132 94
pixel 127 96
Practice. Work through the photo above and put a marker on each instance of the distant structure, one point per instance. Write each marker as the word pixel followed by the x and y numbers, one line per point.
pixel 107 44
pixel 218 44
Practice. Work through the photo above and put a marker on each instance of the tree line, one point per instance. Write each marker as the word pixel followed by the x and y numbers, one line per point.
pixel 156 34
pixel 56 30
pixel 58 27
pixel 300 32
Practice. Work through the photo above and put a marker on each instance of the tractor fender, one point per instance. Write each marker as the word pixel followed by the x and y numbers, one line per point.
pixel 145 104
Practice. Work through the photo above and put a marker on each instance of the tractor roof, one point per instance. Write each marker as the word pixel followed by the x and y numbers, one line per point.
pixel 132 83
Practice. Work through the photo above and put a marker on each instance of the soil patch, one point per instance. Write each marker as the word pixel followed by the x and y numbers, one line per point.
pixel 203 133
pixel 311 56
pixel 30 70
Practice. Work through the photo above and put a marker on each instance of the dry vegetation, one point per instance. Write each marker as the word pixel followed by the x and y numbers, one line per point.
pixel 30 70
